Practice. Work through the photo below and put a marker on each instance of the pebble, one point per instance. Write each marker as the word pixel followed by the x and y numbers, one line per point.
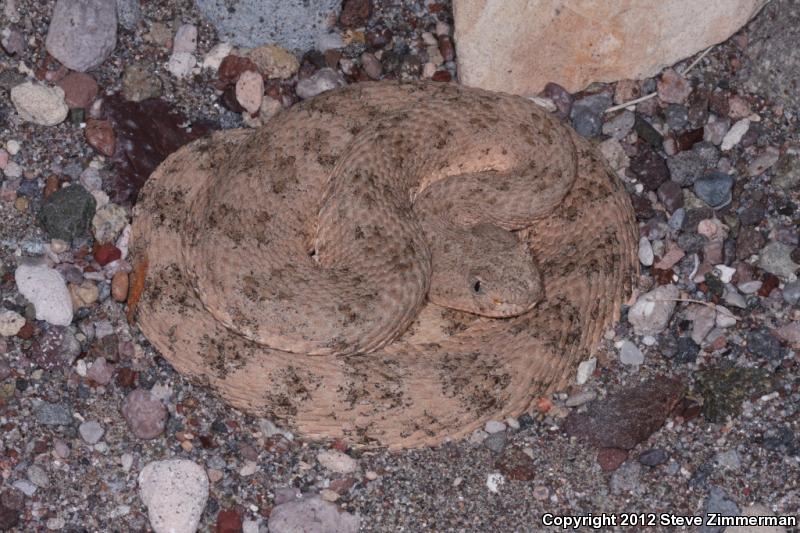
pixel 274 62
pixel 495 441
pixel 100 372
pixel 715 129
pixel 108 222
pixel 46 289
pixel 91 431
pixel 756 510
pixel 371 65
pixel 585 370
pixel 516 465
pixel 724 317
pixel 671 195
pixel 688 166
pixel 146 416
pixel 494 426
pixel 627 478
pixel 250 90
pixel 494 481
pixel 646 256
pixel 714 189
pixel 677 116
pixel 80 89
pixel 25 487
pixel 181 64
pixel 763 162
pixel 703 320
pixel 82 34
pixel 673 88
pixel 10 323
pixel 66 213
pixel 175 492
pixel 718 502
pixel 185 40
pixel 128 13
pixel 619 126
pixel 735 134
pixel 652 311
pixel 791 292
pixel 100 136
pixel 39 103
pixel 653 457
pixel 119 286
pixel 764 345
pixel 214 57
pixel 614 153
pixel 37 475
pixel 12 170
pixel 576 400
pixel 138 84
pixel 650 168
pixel 311 515
pixel 12 41
pixel 337 461
pixel 560 97
pixel 776 258
pixel 630 354
pixel 323 80
pixel 53 414
pixel 83 295
pixel 587 114
pixel 733 298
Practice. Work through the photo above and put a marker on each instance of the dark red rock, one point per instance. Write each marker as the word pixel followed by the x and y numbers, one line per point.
pixel 687 139
pixel 332 58
pixel 671 195
pixel 649 168
pixel 100 136
pixel 560 97
pixel 126 378
pixel 26 331
pixel 146 415
pixel 147 132
pixel 232 67
pixel 52 184
pixel 628 416
pixel 642 207
pixel 610 459
pixel 378 38
pixel 80 89
pixel 515 464
pixel 342 485
pixel 229 521
pixel 769 283
pixel 446 48
pixel 748 242
pixel 105 253
pixel 441 75
pixel 355 13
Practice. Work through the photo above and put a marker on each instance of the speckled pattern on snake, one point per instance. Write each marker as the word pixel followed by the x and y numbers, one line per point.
pixel 389 263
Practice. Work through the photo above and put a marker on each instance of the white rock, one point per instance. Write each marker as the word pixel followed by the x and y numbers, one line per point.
pixel 181 64
pixel 750 287
pixel 13 147
pixel 324 79
pixel 249 468
pixel 630 354
pixel 214 57
pixel 494 426
pixel 724 318
pixel 493 482
pixel 311 515
pixel 585 370
pixel 82 33
pixel 735 134
pixel 336 461
pixel 12 170
pixel 329 41
pixel 175 493
pixel 91 431
pixel 10 323
pixel 47 290
pixel 39 104
pixel 756 510
pixel 725 273
pixel 185 40
pixel 250 90
pixel 249 526
pixel 652 311
pixel 646 255
pixel 108 222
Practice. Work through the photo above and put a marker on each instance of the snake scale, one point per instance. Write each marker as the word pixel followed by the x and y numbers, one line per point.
pixel 388 263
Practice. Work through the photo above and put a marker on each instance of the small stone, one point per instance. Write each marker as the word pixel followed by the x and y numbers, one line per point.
pixel 516 465
pixel 653 457
pixel 355 13
pixel 762 163
pixel 651 313
pixel 274 62
pixel 673 88
pixel 494 426
pixel 47 290
pixel 185 40
pixel 10 323
pixel 80 89
pixel 311 515
pixel 25 486
pixel 646 256
pixel 776 258
pixel 619 126
pixel 53 414
pixel 91 432
pixel 791 292
pixel 649 168
pixel 12 41
pixel 101 372
pixel 735 134
pixel 84 295
pixel 560 97
pixel 585 370
pixel 38 476
pixel 496 441
pixel 756 510
pixel 703 319
pixel 145 415
pixel 232 67
pixel 720 504
pixel 716 129
pixel 119 286
pixel 100 136
pixel 586 114
pixel 610 459
pixel 494 481
pixel 214 57
pixel 671 195
pixel 39 104
pixel 82 33
pixel 250 90
pixel 139 84
pixel 323 80
pixel 714 189
pixel 630 354
pixel 677 116
pixel 229 521
pixel 688 166
pixel 614 153
pixel 336 461
pixel 181 64
pixel 764 345
pixel 729 459
pixel 66 213
pixel 175 493
pixel 787 172
pixel 128 14
pixel 108 222
pixel 371 65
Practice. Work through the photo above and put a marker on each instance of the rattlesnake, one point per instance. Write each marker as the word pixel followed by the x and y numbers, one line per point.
pixel 390 263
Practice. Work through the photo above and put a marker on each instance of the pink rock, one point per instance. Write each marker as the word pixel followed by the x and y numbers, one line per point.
pixel 671 258
pixel 790 332
pixel 101 372
pixel 80 89
pixel 3 159
pixel 146 416
pixel 673 88
pixel 250 90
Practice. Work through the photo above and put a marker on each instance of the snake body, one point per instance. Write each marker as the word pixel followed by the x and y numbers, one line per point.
pixel 388 263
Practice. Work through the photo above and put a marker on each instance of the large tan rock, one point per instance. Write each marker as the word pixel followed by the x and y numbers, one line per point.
pixel 518 46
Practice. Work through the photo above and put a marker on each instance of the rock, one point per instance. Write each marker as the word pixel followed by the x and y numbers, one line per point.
pixel 56 348
pixel 229 521
pixel 91 432
pixel 515 464
pixel 735 134
pixel 10 323
pixel 336 461
pixel 79 88
pixel 46 289
pixel 53 414
pixel 119 286
pixel 274 62
pixel 371 65
pixel 311 515
pixel 12 41
pixel 610 459
pixel 496 442
pixel 787 172
pixel 714 189
pixel 763 162
pixel 627 417
pixel 100 136
pixel 677 116
pixel 627 478
pixel 776 258
pixel 653 457
pixel 323 80
pixel 181 64
pixel 649 168
pixel 128 14
pixel 586 114
pixel 724 388
pixel 717 503
pixel 250 90
pixel 791 292
pixel 185 40
pixel 39 103
pixel 651 313
pixel 100 372
pixel 686 167
pixel 673 88
pixel 585 370
pixel 175 493
pixel 494 426
pixel 630 354
pixel 37 475
pixel 619 126
pixel 293 25
pixel 560 97
pixel 146 416
pixel 605 39
pixel 764 345
pixel 671 195
pixel 66 213
pixel 82 33
pixel 213 59
pixel 716 129
pixel 108 222
pixel 703 319
pixel 138 84
pixel 355 13
pixel 756 510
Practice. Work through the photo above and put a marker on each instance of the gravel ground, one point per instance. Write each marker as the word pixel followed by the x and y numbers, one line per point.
pixel 693 407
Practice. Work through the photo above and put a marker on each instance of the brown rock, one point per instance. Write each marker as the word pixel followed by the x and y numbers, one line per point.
pixel 496 40
pixel 610 459
pixel 673 88
pixel 355 13
pixel 515 464
pixel 51 185
pixel 119 286
pixel 146 416
pixel 232 67
pixel 79 88
pixel 275 62
pixel 100 136
pixel 229 521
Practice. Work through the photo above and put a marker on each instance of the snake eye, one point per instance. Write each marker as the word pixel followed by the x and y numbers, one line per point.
pixel 476 286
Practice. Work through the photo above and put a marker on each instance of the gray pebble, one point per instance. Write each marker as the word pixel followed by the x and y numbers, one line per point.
pixel 586 114
pixel 496 441
pixel 53 414
pixel 714 189
pixel 38 476
pixel 791 292
pixel 91 432
pixel 630 354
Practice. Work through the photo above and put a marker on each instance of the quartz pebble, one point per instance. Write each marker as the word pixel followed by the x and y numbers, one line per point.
pixel 91 431
pixel 146 416
pixel 585 370
pixel 82 33
pixel 652 311
pixel 185 40
pixel 10 323
pixel 323 80
pixel 181 64
pixel 646 255
pixel 311 515
pixel 250 90
pixel 39 104
pixel 630 354
pixel 735 134
pixel 494 426
pixel 175 492
pixel 673 88
pixel 46 289
pixel 336 461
